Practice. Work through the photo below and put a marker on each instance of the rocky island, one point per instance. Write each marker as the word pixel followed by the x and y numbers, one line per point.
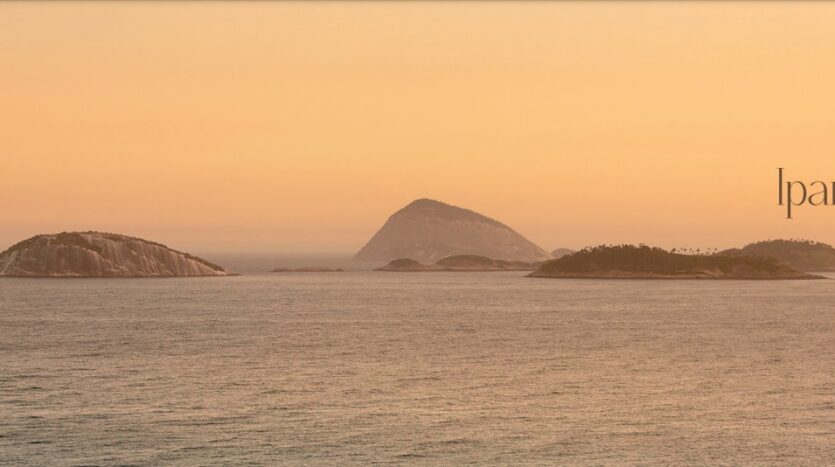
pixel 98 254
pixel 427 231
pixel 803 255
pixel 460 263
pixel 643 262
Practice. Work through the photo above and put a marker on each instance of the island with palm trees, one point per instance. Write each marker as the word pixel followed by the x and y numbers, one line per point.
pixel 645 262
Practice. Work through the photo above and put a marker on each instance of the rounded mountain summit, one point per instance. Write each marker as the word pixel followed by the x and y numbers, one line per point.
pixel 427 230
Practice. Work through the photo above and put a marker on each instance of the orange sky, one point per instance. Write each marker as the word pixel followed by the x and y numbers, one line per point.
pixel 301 126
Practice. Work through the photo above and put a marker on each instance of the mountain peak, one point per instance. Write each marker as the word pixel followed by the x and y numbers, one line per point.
pixel 424 202
pixel 428 230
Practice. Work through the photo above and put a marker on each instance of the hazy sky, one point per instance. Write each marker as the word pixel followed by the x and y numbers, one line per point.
pixel 302 126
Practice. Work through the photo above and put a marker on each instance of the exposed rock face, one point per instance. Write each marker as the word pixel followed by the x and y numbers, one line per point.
pixel 560 252
pixel 803 255
pixel 428 230
pixel 96 254
pixel 460 263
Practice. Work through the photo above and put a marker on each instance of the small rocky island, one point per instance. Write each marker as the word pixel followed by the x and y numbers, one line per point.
pixel 644 262
pixel 307 269
pixel 460 263
pixel 803 255
pixel 98 254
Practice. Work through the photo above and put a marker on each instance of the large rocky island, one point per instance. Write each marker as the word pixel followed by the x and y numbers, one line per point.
pixel 643 262
pixel 803 255
pixel 97 254
pixel 428 230
pixel 459 263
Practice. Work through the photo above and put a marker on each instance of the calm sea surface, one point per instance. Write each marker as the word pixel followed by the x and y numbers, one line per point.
pixel 415 368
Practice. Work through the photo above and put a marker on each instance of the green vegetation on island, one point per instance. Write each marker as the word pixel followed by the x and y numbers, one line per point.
pixel 644 262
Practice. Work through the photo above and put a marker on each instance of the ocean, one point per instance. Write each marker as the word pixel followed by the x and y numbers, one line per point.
pixel 362 368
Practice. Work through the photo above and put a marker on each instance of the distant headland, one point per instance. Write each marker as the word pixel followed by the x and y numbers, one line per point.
pixel 644 262
pixel 458 263
pixel 803 255
pixel 98 254
pixel 560 252
pixel 307 269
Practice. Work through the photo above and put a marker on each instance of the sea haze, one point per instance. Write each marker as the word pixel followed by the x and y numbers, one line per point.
pixel 429 368
pixel 256 263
